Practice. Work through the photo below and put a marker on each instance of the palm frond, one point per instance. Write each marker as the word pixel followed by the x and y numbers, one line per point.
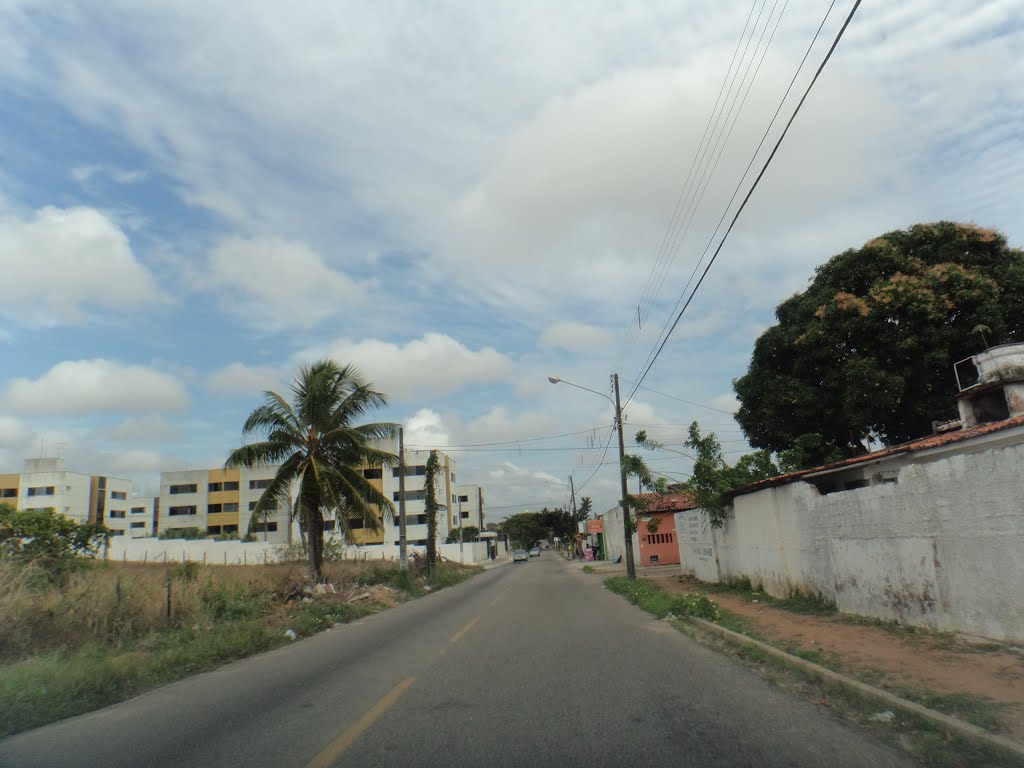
pixel 278 492
pixel 262 454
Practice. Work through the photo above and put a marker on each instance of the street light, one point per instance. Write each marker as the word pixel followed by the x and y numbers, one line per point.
pixel 626 526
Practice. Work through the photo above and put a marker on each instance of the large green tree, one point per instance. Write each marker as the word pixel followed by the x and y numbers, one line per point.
pixel 868 348
pixel 319 451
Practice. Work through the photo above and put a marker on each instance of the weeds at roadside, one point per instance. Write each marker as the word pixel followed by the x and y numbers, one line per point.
pixel 928 742
pixel 107 634
pixel 589 569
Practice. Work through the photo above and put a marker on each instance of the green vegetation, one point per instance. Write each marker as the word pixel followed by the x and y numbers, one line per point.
pixel 662 604
pixel 796 601
pixel 527 528
pixel 105 634
pixel 320 452
pixel 468 533
pixel 589 569
pixel 183 533
pixel 868 348
pixel 53 543
pixel 430 507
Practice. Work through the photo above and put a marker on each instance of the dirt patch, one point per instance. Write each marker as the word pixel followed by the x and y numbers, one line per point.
pixel 917 662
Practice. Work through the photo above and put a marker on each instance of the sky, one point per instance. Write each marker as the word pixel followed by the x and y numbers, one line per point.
pixel 461 199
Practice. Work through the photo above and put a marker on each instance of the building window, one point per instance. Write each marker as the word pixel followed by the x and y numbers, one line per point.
pixel 214 487
pixel 252 505
pixel 418 470
pixel 264 527
pixel 453 475
pixel 116 514
pixel 187 510
pixel 231 506
pixel 230 485
pixel 256 485
pixel 138 510
pixel 213 509
pixel 117 533
pixel 465 515
pixel 374 473
pixel 118 495
pixel 328 525
pixel 8 493
pixel 212 530
pixel 183 488
pixel 139 524
pixel 42 490
pixel 464 499
pixel 419 495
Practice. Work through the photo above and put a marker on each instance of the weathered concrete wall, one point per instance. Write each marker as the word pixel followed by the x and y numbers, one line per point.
pixel 941 548
pixel 155 550
pixel 614 537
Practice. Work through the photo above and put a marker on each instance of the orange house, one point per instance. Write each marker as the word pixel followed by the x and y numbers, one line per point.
pixel 656 527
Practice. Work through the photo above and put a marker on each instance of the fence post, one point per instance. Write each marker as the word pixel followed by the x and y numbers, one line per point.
pixel 168 599
pixel 204 557
pixel 244 562
pixel 145 555
pixel 225 557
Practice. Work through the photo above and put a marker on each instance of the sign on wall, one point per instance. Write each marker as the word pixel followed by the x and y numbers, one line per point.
pixel 595 526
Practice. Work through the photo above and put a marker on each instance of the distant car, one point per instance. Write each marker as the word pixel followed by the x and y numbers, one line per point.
pixel 520 555
pixel 535 552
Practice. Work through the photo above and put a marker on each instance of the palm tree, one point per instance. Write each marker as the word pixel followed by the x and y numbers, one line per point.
pixel 319 452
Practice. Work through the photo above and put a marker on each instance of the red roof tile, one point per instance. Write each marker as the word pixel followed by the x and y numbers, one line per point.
pixel 921 444
pixel 666 502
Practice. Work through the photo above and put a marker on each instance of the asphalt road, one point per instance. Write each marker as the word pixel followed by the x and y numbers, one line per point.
pixel 528 665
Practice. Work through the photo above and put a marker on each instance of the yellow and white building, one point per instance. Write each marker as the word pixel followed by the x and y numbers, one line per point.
pixel 219 502
pixel 46 484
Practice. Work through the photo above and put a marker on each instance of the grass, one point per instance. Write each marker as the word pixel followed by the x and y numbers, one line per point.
pixel 796 601
pixel 662 604
pixel 927 742
pixel 106 635
pixel 589 569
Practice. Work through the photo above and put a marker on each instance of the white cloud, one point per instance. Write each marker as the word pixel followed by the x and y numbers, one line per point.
pixel 241 379
pixel 426 429
pixel 61 263
pixel 278 284
pixel 138 461
pixel 433 365
pixel 13 433
pixel 91 386
pixel 574 336
pixel 725 403
pixel 83 173
pixel 144 429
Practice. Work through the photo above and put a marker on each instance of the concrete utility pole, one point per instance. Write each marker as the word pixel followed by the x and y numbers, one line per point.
pixel 461 558
pixel 572 495
pixel 626 525
pixel 403 542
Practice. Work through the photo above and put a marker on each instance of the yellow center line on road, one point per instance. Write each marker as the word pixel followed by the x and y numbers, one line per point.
pixel 461 633
pixel 494 602
pixel 333 751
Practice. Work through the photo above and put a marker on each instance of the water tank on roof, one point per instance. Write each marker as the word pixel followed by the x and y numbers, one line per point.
pixel 991 385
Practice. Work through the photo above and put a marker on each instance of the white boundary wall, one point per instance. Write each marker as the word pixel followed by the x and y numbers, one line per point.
pixel 155 550
pixel 943 548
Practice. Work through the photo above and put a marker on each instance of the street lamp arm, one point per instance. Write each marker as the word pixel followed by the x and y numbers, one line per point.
pixel 556 380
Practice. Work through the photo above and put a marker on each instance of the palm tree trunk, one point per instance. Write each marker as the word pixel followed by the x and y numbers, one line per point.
pixel 316 552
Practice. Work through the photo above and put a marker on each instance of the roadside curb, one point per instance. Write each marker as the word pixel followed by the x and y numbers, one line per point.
pixel 940 718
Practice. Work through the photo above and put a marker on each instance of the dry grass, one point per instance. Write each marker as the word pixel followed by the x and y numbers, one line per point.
pixel 105 634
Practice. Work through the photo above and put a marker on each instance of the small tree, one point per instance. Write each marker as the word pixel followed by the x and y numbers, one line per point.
pixel 469 533
pixel 48 539
pixel 430 507
pixel 586 505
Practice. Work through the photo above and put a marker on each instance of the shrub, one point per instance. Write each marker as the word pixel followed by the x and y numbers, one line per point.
pixel 183 533
pixel 663 604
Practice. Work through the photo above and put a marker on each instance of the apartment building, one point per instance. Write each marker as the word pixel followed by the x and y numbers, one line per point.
pixel 469 506
pixel 219 502
pixel 46 484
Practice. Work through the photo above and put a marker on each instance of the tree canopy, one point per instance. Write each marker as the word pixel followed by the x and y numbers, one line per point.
pixel 868 348
pixel 319 451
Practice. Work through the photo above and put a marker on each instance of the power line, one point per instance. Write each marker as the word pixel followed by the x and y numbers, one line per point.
pixel 681 400
pixel 608 442
pixel 718 158
pixel 706 171
pixel 683 193
pixel 505 442
pixel 750 192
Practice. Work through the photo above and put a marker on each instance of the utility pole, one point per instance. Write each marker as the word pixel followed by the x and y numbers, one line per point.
pixel 461 558
pixel 627 528
pixel 572 494
pixel 403 542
